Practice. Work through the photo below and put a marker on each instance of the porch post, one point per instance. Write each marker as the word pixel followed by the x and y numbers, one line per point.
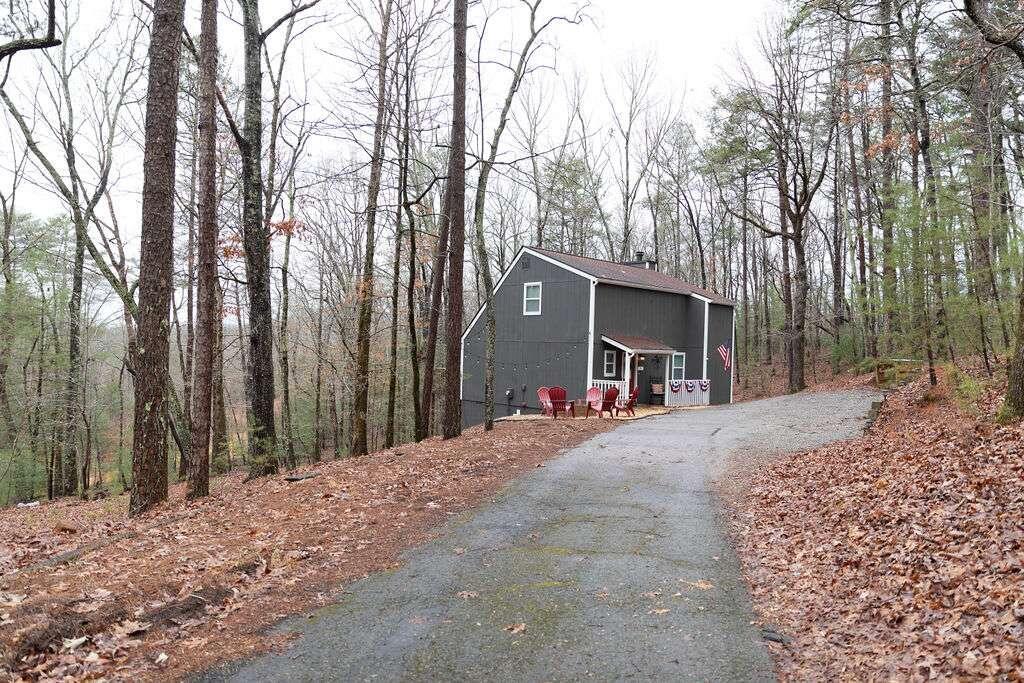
pixel 627 371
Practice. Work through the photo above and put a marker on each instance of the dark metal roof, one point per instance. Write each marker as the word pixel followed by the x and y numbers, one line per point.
pixel 636 343
pixel 632 276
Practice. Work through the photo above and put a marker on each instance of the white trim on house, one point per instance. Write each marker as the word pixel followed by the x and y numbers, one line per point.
pixel 707 324
pixel 632 285
pixel 627 370
pixel 620 345
pixel 539 299
pixel 672 366
pixel 732 344
pixel 604 362
pixel 614 343
pixel 558 263
pixel 590 335
pixel 668 378
pixel 707 300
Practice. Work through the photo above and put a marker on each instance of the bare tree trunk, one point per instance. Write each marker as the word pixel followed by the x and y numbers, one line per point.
pixel 7 306
pixel 410 291
pixel 888 198
pixel 333 414
pixel 872 307
pixel 318 372
pixel 389 425
pixel 433 321
pixel 858 208
pixel 456 188
pixel 187 355
pixel 256 242
pixel 149 445
pixel 922 123
pixel 482 258
pixel 396 274
pixel 207 313
pixel 365 290
pixel 219 446
pixel 787 282
pixel 838 258
pixel 72 388
pixel 286 398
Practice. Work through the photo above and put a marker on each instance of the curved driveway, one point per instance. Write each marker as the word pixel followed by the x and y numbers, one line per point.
pixel 614 556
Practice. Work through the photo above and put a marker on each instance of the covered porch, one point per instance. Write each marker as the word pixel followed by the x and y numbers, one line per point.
pixel 654 368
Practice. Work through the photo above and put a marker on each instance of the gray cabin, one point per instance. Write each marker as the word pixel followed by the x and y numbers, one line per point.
pixel 578 322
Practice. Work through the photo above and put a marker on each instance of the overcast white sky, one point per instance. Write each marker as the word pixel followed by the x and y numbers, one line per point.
pixel 692 42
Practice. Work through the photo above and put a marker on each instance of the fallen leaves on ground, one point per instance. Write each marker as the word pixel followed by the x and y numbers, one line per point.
pixel 192 583
pixel 763 381
pixel 899 555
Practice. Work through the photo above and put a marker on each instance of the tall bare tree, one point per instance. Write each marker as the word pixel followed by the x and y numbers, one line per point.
pixel 520 69
pixel 366 283
pixel 256 240
pixel 207 311
pixel 455 206
pixel 149 444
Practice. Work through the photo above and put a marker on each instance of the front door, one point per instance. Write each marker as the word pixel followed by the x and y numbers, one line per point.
pixel 650 375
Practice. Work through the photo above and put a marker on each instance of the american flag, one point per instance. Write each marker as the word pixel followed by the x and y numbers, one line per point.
pixel 724 352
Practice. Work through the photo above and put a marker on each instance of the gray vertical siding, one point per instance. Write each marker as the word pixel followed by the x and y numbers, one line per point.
pixel 675 319
pixel 531 351
pixel 632 311
pixel 694 338
pixel 720 333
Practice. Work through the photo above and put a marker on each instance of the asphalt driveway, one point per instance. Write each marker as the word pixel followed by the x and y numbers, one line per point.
pixel 610 563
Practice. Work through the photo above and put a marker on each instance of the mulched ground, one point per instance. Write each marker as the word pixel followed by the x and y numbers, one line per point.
pixel 190 584
pixel 897 556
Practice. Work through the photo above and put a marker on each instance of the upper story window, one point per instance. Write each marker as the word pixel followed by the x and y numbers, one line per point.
pixel 531 298
pixel 678 366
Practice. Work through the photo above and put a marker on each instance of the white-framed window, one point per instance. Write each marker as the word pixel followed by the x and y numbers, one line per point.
pixel 531 298
pixel 678 366
pixel 609 363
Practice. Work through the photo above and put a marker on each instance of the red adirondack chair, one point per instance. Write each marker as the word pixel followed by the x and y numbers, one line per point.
pixel 544 396
pixel 607 404
pixel 559 404
pixel 593 400
pixel 630 403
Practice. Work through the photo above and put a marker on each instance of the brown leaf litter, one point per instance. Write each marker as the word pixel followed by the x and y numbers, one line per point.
pixel 194 583
pixel 896 556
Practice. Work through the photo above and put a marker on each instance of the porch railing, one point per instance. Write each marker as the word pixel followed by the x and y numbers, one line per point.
pixel 691 392
pixel 606 384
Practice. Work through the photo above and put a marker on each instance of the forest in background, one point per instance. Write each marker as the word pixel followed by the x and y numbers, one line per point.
pixel 854 188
